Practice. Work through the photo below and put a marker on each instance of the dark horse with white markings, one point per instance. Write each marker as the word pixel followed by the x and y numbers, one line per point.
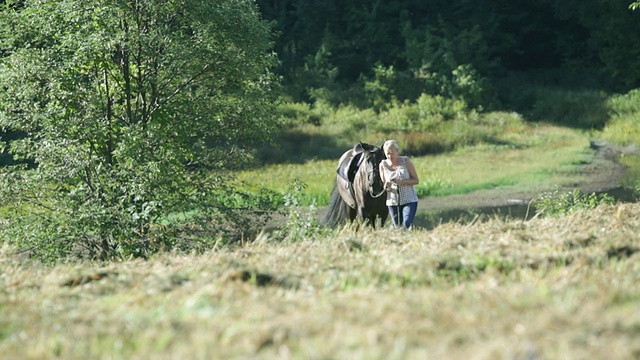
pixel 358 191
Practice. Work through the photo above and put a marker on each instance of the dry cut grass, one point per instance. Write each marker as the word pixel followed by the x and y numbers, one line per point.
pixel 564 288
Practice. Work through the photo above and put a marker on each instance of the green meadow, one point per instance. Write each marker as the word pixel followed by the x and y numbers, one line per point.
pixel 527 157
pixel 548 287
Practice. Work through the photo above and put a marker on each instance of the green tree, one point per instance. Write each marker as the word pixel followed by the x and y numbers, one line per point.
pixel 134 111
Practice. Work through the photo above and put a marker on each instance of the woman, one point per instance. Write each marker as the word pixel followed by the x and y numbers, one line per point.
pixel 399 176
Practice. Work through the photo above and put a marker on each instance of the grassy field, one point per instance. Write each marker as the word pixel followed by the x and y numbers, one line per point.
pixel 547 288
pixel 534 158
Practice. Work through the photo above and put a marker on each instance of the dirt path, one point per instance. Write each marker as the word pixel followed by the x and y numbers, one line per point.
pixel 603 174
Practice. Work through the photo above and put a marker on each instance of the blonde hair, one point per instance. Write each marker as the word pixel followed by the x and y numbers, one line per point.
pixel 391 144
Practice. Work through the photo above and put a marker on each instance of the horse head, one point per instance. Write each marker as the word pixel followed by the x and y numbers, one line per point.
pixel 372 157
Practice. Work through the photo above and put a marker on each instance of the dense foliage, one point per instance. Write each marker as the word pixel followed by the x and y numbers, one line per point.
pixel 558 202
pixel 132 112
pixel 478 51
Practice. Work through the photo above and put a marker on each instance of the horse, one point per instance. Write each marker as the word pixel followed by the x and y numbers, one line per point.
pixel 358 191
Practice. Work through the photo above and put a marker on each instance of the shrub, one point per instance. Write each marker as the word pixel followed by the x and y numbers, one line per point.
pixel 300 225
pixel 625 104
pixel 558 202
pixel 624 126
pixel 580 109
pixel 124 123
pixel 298 114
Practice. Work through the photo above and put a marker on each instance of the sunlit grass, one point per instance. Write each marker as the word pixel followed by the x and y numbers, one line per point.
pixel 624 125
pixel 529 168
pixel 624 130
pixel 318 175
pixel 537 158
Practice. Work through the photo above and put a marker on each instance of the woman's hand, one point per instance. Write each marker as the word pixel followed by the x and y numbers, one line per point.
pixel 391 185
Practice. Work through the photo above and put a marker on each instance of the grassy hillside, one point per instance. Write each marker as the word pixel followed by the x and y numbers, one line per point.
pixel 530 157
pixel 547 288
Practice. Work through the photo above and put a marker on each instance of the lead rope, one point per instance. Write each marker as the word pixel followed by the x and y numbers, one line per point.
pixel 377 196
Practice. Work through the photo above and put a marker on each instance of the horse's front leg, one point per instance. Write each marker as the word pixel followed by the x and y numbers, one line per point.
pixel 366 217
pixel 383 218
pixel 353 214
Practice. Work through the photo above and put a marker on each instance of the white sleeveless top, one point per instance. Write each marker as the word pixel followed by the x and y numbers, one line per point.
pixel 406 193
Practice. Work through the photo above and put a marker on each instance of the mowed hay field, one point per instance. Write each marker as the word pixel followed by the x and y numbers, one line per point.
pixel 546 288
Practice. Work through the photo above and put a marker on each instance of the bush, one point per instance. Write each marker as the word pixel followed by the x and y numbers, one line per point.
pixel 298 114
pixel 557 202
pixel 624 126
pixel 426 114
pixel 579 109
pixel 300 225
pixel 431 124
pixel 117 147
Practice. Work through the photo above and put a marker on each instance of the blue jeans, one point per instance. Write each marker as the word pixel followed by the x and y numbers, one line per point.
pixel 403 214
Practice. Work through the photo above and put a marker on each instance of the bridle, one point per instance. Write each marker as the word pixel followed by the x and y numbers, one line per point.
pixel 371 173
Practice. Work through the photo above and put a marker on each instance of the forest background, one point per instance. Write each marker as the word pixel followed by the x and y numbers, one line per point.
pixel 492 55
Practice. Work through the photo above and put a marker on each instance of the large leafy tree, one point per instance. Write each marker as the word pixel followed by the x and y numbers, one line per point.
pixel 134 111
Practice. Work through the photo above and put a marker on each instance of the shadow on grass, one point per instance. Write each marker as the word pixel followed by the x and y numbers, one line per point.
pixel 295 147
pixel 431 219
pixel 576 100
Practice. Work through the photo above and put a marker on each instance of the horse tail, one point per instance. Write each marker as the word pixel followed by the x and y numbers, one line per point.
pixel 337 209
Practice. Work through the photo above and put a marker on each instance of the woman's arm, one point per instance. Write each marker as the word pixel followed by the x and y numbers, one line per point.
pixel 382 172
pixel 414 180
pixel 383 176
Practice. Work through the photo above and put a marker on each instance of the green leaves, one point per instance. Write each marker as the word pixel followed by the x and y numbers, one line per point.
pixel 128 105
pixel 557 202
